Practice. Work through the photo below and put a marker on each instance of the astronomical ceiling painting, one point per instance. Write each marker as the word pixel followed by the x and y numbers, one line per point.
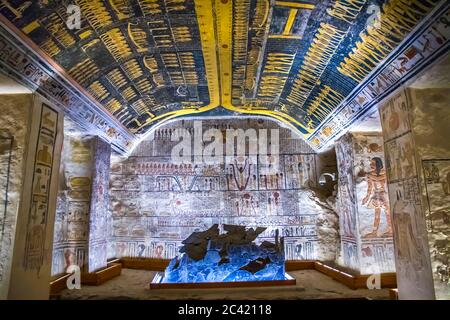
pixel 146 61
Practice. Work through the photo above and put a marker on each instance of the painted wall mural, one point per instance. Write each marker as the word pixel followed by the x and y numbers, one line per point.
pixel 430 118
pixel 156 203
pixel 408 219
pixel 365 217
pixel 81 216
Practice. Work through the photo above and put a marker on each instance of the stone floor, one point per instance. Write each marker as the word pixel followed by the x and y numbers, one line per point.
pixel 134 284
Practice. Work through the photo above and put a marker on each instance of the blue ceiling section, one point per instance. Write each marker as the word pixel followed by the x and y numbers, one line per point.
pixel 143 59
pixel 293 49
pixel 139 59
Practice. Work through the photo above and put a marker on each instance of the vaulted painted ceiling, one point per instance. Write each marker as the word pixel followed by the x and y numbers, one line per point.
pixel 146 61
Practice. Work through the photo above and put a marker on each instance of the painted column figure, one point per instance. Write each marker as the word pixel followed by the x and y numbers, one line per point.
pixel 376 196
pixel 415 130
pixel 363 204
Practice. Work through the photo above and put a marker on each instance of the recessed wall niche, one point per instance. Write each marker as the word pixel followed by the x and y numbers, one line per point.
pixel 155 203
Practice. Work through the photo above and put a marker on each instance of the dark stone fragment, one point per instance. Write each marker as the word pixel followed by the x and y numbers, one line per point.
pixel 256 265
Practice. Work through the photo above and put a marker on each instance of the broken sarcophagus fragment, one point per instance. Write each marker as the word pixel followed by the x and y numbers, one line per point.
pixel 212 256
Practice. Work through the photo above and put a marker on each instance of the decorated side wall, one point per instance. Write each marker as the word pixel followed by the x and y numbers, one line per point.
pixel 363 204
pixel 81 216
pixel 156 203
pixel 431 118
pixel 415 126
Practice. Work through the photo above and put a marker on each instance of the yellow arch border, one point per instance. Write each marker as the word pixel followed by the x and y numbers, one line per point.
pixel 217 47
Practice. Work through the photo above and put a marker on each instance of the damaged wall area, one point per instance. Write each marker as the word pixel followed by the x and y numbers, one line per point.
pixel 83 200
pixel 156 203
pixel 13 138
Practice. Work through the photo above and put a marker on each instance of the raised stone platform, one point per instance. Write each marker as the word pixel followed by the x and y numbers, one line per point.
pixel 134 284
pixel 156 283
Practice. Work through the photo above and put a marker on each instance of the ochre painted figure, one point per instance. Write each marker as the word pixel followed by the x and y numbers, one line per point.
pixel 376 196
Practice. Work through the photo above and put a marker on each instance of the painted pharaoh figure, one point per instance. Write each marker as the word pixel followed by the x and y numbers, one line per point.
pixel 376 197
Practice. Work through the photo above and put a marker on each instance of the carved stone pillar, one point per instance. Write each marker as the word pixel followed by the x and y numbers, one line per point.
pixel 29 169
pixel 417 146
pixel 81 219
pixel 363 204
